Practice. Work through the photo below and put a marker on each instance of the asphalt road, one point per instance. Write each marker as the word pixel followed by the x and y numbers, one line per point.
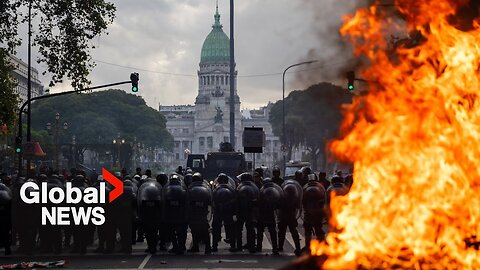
pixel 223 259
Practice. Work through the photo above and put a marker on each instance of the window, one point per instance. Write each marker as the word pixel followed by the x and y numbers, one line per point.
pixel 208 80
pixel 185 144
pixel 197 163
pixel 221 80
pixel 275 155
pixel 201 141
pixel 177 144
pixel 177 156
pixel 226 139
pixel 185 130
pixel 210 142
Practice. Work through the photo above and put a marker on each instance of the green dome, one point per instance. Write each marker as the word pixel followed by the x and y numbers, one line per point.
pixel 216 47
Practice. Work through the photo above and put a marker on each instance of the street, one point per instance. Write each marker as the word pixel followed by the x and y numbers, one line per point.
pixel 223 259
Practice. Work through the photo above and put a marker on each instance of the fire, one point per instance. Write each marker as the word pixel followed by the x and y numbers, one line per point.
pixel 414 139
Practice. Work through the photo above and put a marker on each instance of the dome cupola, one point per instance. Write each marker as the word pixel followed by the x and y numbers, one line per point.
pixel 216 47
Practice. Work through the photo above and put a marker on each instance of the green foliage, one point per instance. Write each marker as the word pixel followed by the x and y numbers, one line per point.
pixel 97 118
pixel 9 99
pixel 63 36
pixel 313 116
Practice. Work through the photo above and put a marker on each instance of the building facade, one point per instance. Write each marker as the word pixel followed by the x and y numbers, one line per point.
pixel 200 128
pixel 20 74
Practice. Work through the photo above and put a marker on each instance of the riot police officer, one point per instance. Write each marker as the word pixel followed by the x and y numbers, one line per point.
pixel 349 181
pixel 224 206
pixel 26 218
pixel 174 195
pixel 79 231
pixel 122 209
pixel 188 179
pixel 131 190
pixel 314 209
pixel 269 201
pixel 50 237
pixel 162 179
pixel 258 177
pixel 276 176
pixel 337 188
pixel 149 211
pixel 247 213
pixel 106 232
pixel 288 213
pixel 5 217
pixel 199 199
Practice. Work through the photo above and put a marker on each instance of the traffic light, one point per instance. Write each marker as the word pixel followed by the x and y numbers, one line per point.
pixel 134 80
pixel 351 80
pixel 18 144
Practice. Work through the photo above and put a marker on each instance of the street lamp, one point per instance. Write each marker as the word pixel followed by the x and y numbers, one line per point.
pixel 58 129
pixel 284 143
pixel 118 142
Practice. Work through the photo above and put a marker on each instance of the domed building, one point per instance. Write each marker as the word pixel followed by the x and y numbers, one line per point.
pixel 200 128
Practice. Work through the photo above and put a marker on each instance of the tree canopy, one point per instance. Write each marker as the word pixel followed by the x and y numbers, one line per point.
pixel 97 118
pixel 63 30
pixel 9 99
pixel 312 117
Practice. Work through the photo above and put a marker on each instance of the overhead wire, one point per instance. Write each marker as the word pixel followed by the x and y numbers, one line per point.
pixel 240 76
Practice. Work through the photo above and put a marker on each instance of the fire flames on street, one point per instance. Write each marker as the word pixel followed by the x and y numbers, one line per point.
pixel 414 139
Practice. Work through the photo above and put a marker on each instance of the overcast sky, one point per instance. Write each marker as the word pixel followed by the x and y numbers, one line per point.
pixel 158 37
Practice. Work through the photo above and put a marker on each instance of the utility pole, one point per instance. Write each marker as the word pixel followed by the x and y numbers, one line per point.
pixel 232 77
pixel 29 79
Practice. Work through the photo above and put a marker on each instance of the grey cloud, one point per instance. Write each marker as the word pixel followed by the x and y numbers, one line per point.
pixel 167 36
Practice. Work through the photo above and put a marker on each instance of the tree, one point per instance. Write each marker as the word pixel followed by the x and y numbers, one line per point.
pixel 97 118
pixel 312 117
pixel 9 99
pixel 65 28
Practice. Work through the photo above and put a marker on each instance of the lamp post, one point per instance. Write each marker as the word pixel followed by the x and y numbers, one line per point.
pixel 73 151
pixel 58 129
pixel 284 143
pixel 119 143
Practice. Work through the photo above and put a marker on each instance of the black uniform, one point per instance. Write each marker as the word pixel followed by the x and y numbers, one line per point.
pixel 269 201
pixel 314 209
pixel 199 199
pixel 247 212
pixel 106 231
pixel 149 211
pixel 50 235
pixel 276 176
pixel 224 209
pixel 6 218
pixel 288 213
pixel 174 211
pixel 122 213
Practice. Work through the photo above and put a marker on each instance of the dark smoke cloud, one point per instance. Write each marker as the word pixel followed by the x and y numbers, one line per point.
pixel 333 53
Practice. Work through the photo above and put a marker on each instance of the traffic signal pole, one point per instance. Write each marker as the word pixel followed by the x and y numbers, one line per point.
pixel 20 131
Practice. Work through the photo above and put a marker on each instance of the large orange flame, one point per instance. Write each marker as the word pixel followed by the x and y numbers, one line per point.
pixel 414 139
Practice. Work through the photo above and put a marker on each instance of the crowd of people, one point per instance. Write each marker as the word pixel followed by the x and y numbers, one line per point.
pixel 162 209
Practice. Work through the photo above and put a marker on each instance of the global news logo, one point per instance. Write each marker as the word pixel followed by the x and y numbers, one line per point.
pixel 72 204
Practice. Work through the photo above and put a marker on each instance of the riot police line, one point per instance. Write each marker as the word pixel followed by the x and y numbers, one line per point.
pixel 162 209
